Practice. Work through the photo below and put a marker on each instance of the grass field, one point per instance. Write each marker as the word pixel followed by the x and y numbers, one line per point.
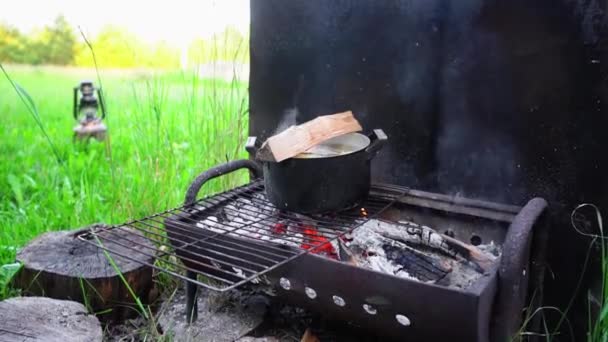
pixel 164 129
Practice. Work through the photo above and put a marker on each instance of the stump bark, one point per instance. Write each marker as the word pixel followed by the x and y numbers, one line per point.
pixel 46 319
pixel 61 266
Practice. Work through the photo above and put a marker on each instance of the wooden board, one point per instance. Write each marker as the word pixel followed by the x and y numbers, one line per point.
pixel 298 139
pixel 44 319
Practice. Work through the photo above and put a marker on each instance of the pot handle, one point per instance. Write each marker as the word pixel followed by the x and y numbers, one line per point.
pixel 378 139
pixel 255 152
pixel 218 171
pixel 250 146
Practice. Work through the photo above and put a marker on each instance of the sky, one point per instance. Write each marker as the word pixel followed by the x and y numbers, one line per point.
pixel 176 21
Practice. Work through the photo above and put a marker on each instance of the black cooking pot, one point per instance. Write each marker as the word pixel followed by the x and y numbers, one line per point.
pixel 335 175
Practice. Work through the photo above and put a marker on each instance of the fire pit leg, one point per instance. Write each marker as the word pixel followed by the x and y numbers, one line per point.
pixel 191 298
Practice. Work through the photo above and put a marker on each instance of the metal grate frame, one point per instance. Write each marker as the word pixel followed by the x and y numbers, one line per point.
pixel 227 254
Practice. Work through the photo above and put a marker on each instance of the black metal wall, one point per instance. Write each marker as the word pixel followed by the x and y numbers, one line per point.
pixel 499 100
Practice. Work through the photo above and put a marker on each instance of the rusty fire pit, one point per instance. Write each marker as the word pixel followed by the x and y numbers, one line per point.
pixel 238 237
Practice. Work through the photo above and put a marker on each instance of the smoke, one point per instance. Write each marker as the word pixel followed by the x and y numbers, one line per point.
pixel 482 163
pixel 288 119
pixel 475 151
pixel 590 15
pixel 291 115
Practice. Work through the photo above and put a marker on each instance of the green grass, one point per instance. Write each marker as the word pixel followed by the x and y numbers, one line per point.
pixel 598 330
pixel 164 129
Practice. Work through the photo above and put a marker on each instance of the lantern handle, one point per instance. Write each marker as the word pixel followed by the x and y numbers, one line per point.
pixel 101 103
pixel 76 103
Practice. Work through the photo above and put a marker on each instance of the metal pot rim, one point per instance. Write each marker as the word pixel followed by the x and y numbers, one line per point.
pixel 355 141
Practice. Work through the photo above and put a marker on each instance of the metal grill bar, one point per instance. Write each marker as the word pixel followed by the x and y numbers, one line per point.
pixel 232 238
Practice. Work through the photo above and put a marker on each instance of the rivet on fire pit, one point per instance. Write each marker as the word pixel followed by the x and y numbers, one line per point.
pixel 311 293
pixel 285 283
pixel 403 320
pixel 339 301
pixel 370 309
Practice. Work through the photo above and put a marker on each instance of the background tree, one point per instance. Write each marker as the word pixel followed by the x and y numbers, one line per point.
pixel 59 42
pixel 54 44
pixel 116 47
pixel 12 44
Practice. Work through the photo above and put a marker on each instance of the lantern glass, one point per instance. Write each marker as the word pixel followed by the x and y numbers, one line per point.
pixel 88 112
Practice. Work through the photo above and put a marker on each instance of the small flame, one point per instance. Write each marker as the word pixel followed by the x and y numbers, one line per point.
pixel 363 212
pixel 316 242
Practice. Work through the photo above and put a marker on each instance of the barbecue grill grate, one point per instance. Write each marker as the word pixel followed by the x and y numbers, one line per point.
pixel 233 237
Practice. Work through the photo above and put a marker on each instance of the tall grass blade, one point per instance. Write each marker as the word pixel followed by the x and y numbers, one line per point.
pixel 15 185
pixel 107 120
pixel 7 272
pixel 598 331
pixel 140 305
pixel 85 298
pixel 31 106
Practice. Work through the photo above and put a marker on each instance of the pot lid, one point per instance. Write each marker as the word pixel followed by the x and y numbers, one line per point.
pixel 337 146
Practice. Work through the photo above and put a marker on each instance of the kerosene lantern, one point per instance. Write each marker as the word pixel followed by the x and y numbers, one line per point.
pixel 85 111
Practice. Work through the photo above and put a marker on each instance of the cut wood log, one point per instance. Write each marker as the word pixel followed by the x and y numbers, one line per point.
pixel 436 262
pixel 471 253
pixel 418 234
pixel 60 265
pixel 298 139
pixel 46 319
pixel 346 255
pixel 420 265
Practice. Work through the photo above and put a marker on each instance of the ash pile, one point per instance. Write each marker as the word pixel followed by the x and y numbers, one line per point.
pixel 417 252
pixel 401 248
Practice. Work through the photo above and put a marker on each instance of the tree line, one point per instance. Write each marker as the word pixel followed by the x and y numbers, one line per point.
pixel 54 44
pixel 59 44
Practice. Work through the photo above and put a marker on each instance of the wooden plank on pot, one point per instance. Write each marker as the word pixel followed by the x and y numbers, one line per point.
pixel 298 139
pixel 46 319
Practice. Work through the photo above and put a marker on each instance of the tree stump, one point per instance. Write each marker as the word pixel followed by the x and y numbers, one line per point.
pixel 61 266
pixel 46 319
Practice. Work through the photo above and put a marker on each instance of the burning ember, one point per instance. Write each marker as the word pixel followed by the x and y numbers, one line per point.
pixel 312 239
pixel 317 243
pixel 279 228
pixel 363 212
